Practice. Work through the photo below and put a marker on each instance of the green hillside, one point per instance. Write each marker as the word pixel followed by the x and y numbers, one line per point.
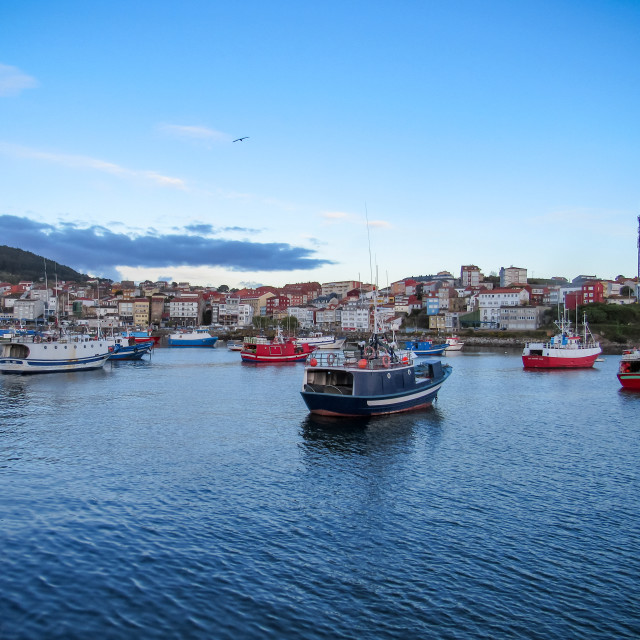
pixel 17 265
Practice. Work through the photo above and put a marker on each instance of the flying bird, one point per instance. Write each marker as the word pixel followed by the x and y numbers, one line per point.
pixel 240 139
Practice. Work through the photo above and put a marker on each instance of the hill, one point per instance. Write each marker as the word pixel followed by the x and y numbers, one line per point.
pixel 17 265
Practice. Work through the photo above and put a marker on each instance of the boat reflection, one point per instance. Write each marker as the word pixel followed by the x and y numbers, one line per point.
pixel 367 436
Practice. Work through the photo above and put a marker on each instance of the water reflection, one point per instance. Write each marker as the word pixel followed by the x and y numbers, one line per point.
pixel 14 398
pixel 367 436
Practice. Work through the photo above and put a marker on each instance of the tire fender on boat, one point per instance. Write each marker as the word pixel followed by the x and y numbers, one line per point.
pixel 386 361
pixel 331 358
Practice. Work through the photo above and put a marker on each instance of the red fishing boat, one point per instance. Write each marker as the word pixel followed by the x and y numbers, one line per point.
pixel 141 336
pixel 280 349
pixel 629 370
pixel 567 350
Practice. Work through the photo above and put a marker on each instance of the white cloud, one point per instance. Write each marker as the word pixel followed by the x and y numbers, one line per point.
pixel 202 134
pixel 86 162
pixel 13 81
pixel 333 217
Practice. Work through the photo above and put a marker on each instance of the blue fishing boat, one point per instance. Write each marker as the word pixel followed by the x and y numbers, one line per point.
pixel 425 347
pixel 135 351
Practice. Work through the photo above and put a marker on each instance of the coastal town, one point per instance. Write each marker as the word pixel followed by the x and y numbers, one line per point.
pixel 509 300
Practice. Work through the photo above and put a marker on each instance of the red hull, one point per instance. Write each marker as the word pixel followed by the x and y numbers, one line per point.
pixel 275 359
pixel 548 362
pixel 139 340
pixel 630 380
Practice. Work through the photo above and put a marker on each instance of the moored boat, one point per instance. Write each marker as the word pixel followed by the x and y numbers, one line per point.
pixel 425 347
pixel 140 336
pixel 52 354
pixel 199 337
pixel 377 380
pixel 129 349
pixel 453 344
pixel 280 349
pixel 234 345
pixel 629 369
pixel 567 350
pixel 321 341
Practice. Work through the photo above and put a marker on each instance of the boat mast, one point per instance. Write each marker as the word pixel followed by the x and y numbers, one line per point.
pixel 375 302
pixel 46 287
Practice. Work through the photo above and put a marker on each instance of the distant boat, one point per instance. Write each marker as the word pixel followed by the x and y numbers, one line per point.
pixel 567 350
pixel 280 349
pixel 140 336
pixel 629 369
pixel 52 354
pixel 195 338
pixel 453 344
pixel 234 345
pixel 377 381
pixel 129 349
pixel 425 347
pixel 321 341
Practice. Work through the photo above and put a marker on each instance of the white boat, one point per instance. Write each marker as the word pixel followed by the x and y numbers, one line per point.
pixel 453 344
pixel 52 354
pixel 235 345
pixel 320 341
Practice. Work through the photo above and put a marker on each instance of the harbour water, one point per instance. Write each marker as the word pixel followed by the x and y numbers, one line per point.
pixel 192 496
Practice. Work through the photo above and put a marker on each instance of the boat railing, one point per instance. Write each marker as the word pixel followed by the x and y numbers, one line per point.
pixel 35 338
pixel 557 345
pixel 356 360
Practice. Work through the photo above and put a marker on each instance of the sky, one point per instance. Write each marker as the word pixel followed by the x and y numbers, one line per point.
pixel 382 139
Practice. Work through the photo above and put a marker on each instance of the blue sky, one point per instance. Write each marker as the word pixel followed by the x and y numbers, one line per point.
pixel 494 133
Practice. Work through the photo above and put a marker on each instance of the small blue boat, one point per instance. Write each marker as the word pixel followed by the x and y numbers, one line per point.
pixel 425 348
pixel 194 338
pixel 130 351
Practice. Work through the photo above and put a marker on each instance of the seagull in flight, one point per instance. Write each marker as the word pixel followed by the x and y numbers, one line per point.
pixel 240 139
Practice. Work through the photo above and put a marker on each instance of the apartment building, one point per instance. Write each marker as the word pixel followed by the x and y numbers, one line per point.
pixel 512 275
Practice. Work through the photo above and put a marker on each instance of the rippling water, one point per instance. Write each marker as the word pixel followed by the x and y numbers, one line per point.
pixel 191 496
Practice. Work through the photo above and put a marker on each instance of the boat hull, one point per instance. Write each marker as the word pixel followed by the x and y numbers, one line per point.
pixel 250 357
pixel 363 406
pixel 132 352
pixel 141 337
pixel 630 381
pixel 52 357
pixel 191 342
pixel 559 362
pixel 429 352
